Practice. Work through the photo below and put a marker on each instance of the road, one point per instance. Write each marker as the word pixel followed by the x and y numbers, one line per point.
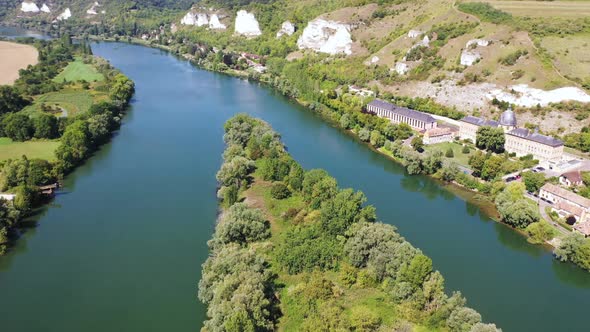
pixel 542 205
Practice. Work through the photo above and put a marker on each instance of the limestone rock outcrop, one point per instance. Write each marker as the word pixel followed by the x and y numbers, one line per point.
pixel 326 37
pixel 287 28
pixel 247 25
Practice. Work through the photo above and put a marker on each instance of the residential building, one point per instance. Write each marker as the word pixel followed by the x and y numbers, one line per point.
pixel 438 135
pixel 571 179
pixel 565 202
pixel 8 197
pixel 396 114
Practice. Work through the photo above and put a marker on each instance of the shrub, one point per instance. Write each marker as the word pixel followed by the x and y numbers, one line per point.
pixel 465 149
pixel 279 191
pixel 449 153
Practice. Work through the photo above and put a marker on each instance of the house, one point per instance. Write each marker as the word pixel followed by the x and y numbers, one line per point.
pixel 438 135
pixel 583 228
pixel 397 114
pixel 565 202
pixel 571 179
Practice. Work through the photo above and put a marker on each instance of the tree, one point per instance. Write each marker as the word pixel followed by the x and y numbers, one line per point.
pixel 533 181
pixel 463 319
pixel 18 127
pixel 295 177
pixel 419 269
pixel 364 134
pixel 491 168
pixel 242 225
pixel 477 162
pixel 491 139
pixel 279 191
pixel 345 122
pixel 514 208
pixel 10 100
pixel 417 143
pixel 481 327
pixel 343 210
pixel 365 320
pixel 449 153
pixel 75 145
pixel 26 198
pixel 235 171
pixel 465 149
pixel 449 173
pixel 377 140
pixel 45 126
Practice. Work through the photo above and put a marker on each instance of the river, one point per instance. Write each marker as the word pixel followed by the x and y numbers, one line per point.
pixel 121 248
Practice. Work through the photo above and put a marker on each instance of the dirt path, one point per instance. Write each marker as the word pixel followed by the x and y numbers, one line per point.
pixel 14 57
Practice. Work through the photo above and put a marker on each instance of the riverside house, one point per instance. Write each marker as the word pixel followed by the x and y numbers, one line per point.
pixel 566 203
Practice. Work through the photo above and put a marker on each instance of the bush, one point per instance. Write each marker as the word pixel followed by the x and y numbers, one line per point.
pixel 279 191
pixel 449 153
pixel 465 149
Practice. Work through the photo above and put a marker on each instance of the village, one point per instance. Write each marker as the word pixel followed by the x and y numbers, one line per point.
pixel 558 199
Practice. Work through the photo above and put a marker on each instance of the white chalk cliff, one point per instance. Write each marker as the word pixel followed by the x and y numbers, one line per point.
pixel 529 97
pixel 65 15
pixel 478 42
pixel 287 28
pixel 326 37
pixel 92 10
pixel 189 19
pixel 45 8
pixel 215 24
pixel 401 68
pixel 29 7
pixel 247 25
pixel 468 58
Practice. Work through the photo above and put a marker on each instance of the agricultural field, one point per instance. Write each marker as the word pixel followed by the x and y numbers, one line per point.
pixel 565 9
pixel 79 71
pixel 14 57
pixel 42 149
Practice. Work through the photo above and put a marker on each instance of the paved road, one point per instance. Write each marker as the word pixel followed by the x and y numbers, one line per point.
pixel 542 205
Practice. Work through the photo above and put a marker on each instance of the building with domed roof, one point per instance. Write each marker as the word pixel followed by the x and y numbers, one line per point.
pixel 519 141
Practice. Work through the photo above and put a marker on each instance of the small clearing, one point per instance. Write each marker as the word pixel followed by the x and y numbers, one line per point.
pixel 42 149
pixel 79 71
pixel 14 57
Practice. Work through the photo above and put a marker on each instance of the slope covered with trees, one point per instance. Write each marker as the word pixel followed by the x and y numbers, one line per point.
pixel 293 251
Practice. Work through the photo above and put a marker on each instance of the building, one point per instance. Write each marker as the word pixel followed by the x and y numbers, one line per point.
pixel 469 125
pixel 582 228
pixel 7 197
pixel 571 179
pixel 565 202
pixel 519 141
pixel 438 135
pixel 396 114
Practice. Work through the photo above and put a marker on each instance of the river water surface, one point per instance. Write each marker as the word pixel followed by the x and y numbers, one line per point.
pixel 121 249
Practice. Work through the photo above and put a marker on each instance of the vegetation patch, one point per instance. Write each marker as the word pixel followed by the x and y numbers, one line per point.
pixel 42 149
pixel 78 70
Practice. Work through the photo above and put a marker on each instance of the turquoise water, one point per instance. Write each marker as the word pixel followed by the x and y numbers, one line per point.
pixel 121 249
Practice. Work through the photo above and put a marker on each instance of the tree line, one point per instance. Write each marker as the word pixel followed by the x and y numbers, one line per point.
pixel 334 231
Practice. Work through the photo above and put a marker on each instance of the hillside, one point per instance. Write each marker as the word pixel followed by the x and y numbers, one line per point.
pixel 460 54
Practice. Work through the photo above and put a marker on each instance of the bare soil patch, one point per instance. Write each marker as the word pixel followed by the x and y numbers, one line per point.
pixel 14 57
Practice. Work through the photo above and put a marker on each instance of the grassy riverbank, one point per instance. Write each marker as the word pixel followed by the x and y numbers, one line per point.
pixel 313 255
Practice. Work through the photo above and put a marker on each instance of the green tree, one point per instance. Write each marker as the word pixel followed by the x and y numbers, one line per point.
pixel 75 145
pixel 465 149
pixel 463 319
pixel 449 173
pixel 416 273
pixel 377 140
pixel 362 319
pixel 533 181
pixel 417 143
pixel 10 100
pixel 449 153
pixel 279 191
pixel 343 210
pixel 235 171
pixel 242 225
pixel 492 168
pixel 364 134
pixel 45 126
pixel 18 127
pixel 491 139
pixel 477 162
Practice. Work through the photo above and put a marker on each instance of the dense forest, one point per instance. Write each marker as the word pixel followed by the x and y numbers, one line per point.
pixel 312 256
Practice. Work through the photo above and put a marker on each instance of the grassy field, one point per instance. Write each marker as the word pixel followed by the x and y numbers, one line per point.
pixel 31 149
pixel 459 157
pixel 14 57
pixel 571 54
pixel 566 9
pixel 73 100
pixel 79 71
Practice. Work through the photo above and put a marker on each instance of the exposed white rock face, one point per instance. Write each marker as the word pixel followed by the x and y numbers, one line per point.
pixel 215 24
pixel 247 25
pixel 425 41
pixel 469 58
pixel 375 59
pixel 189 19
pixel 65 15
pixel 287 28
pixel 529 97
pixel 478 42
pixel 414 33
pixel 92 10
pixel 202 19
pixel 326 37
pixel 401 68
pixel 45 8
pixel 29 7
